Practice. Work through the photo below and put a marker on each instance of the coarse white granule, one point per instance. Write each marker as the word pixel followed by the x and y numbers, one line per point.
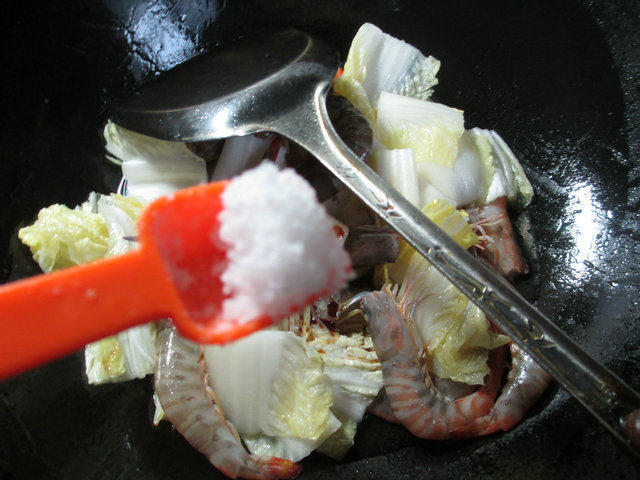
pixel 282 250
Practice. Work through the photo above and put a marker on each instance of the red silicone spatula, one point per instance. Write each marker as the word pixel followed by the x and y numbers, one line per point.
pixel 174 274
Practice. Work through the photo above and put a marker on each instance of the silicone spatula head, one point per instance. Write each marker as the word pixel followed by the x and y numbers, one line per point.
pixel 183 231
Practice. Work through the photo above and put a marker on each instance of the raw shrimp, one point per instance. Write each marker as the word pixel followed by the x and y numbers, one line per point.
pixel 414 400
pixel 526 382
pixel 181 387
pixel 500 246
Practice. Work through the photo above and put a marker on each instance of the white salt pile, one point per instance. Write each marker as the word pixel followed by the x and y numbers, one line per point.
pixel 282 250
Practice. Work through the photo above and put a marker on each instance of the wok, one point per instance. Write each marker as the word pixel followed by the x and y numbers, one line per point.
pixel 558 80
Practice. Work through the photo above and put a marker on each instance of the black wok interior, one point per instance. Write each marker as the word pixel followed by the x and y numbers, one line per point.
pixel 559 80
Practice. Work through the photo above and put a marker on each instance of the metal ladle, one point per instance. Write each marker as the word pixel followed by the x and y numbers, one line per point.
pixel 278 83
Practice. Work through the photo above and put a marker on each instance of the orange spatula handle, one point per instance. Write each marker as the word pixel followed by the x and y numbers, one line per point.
pixel 48 316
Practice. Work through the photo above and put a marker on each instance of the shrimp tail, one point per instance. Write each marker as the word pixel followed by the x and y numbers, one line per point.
pixel 282 468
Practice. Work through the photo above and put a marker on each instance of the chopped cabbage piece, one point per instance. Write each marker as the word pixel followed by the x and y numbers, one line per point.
pixel 291 448
pixel 398 168
pixel 378 62
pixel 129 354
pixel 62 237
pixel 352 366
pixel 356 378
pixel 339 443
pixel 510 179
pixel 153 167
pixel 431 130
pixel 269 385
pixel 239 154
pixel 130 205
pixel 139 349
pixel 454 222
pixel 467 180
pixel 104 360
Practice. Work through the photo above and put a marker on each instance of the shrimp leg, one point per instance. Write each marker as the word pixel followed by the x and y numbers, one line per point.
pixel 415 401
pixel 180 383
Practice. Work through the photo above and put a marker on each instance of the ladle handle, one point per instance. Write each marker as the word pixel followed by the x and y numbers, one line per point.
pixel 605 395
pixel 47 316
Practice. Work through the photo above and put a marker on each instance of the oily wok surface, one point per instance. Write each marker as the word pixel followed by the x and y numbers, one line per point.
pixel 559 82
